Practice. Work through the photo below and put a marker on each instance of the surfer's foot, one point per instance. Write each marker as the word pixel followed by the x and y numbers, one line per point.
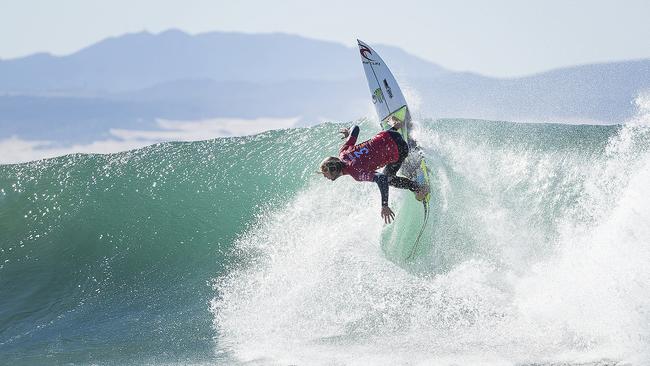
pixel 422 192
pixel 395 123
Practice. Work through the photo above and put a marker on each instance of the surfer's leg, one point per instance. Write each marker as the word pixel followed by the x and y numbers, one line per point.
pixel 391 169
pixel 403 183
pixel 402 148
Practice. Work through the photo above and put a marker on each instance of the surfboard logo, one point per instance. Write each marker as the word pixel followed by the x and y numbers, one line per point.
pixel 390 92
pixel 364 50
pixel 377 96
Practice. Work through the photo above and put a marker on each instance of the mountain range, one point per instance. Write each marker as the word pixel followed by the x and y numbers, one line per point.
pixel 133 80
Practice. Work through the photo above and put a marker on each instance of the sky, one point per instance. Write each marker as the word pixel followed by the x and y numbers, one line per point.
pixel 504 38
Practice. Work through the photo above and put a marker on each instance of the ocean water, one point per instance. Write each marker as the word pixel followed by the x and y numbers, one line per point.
pixel 233 252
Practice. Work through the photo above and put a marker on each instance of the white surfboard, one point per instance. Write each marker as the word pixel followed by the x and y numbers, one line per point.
pixel 389 103
pixel 386 94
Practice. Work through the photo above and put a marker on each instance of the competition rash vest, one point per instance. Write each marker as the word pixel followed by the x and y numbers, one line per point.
pixel 362 160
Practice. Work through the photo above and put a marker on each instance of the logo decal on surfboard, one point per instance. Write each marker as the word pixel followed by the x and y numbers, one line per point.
pixel 363 50
pixel 390 92
pixel 377 96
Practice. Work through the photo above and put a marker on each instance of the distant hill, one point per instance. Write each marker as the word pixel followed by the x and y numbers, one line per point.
pixel 141 60
pixel 597 93
pixel 131 80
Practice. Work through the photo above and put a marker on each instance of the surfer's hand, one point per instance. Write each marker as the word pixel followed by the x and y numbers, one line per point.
pixel 345 132
pixel 387 214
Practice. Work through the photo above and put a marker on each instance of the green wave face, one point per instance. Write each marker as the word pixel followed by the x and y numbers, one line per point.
pixel 233 250
pixel 107 255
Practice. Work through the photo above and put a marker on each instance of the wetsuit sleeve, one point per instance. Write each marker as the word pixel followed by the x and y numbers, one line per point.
pixel 382 182
pixel 403 183
pixel 352 139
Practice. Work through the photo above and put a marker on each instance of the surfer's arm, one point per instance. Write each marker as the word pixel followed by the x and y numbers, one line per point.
pixel 352 137
pixel 382 182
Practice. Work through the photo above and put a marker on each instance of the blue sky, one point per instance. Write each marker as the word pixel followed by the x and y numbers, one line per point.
pixel 496 38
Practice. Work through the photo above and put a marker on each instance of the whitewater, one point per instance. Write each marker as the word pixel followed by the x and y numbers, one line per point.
pixel 233 251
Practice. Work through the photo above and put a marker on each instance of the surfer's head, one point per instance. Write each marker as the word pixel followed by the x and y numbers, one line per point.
pixel 331 168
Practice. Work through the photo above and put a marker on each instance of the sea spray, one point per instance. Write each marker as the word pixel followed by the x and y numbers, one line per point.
pixel 538 256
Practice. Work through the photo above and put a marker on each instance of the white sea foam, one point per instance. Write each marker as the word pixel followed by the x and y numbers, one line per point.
pixel 550 251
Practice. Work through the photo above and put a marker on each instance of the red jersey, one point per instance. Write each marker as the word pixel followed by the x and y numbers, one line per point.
pixel 362 160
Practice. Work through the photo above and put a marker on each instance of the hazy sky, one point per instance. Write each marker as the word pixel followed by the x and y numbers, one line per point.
pixel 492 37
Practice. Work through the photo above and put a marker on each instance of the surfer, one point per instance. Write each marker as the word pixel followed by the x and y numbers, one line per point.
pixel 386 149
